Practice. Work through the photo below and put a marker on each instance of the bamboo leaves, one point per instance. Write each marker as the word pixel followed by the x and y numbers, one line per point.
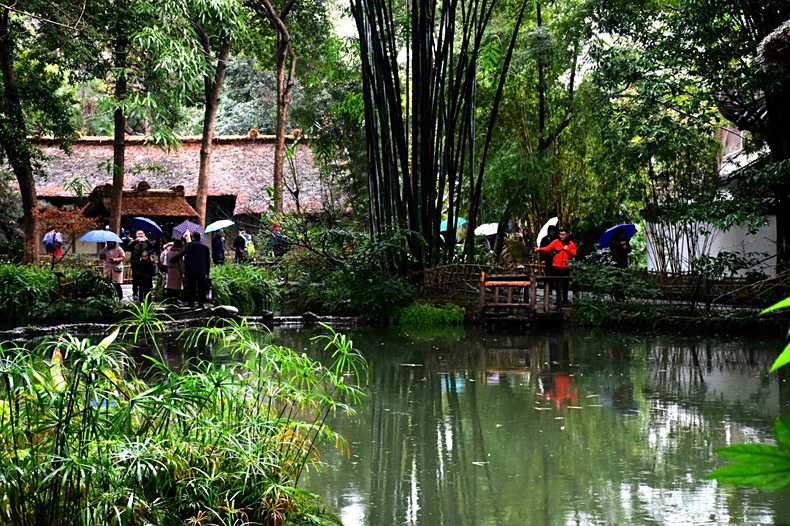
pixel 784 357
pixel 758 465
pixel 222 440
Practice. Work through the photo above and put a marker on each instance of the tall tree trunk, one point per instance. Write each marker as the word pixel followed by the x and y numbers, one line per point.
pixel 285 82
pixel 119 118
pixel 14 141
pixel 213 90
pixel 279 131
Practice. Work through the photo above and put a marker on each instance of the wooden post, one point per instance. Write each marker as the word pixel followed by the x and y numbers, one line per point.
pixel 510 294
pixel 546 294
pixel 533 294
pixel 482 290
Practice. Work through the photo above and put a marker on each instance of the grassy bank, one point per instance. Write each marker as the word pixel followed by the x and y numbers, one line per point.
pixel 633 315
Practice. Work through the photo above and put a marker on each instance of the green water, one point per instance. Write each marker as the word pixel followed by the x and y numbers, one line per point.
pixel 548 429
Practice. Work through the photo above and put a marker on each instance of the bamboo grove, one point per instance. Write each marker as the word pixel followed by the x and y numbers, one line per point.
pixel 423 145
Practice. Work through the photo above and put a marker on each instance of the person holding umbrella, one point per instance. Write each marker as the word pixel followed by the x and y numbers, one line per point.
pixel 564 249
pixel 197 264
pixel 548 257
pixel 140 245
pixel 218 248
pixel 619 249
pixel 113 257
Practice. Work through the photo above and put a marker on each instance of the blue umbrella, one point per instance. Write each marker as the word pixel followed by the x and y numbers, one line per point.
pixel 186 226
pixel 100 236
pixel 146 225
pixel 219 225
pixel 443 227
pixel 628 229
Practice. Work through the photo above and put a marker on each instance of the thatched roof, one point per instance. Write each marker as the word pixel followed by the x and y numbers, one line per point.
pixel 775 48
pixel 241 166
pixel 142 201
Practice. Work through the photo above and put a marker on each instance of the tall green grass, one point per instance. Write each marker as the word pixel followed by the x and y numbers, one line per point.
pixel 248 288
pixel 85 440
pixel 420 315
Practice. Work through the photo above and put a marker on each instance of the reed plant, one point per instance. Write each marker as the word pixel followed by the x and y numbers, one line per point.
pixel 86 440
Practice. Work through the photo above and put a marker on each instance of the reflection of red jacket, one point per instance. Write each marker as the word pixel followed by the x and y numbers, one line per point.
pixel 562 256
pixel 563 390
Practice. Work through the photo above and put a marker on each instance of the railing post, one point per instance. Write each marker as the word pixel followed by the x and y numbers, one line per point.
pixel 546 294
pixel 482 290
pixel 533 294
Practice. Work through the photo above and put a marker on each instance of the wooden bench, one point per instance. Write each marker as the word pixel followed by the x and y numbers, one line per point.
pixel 509 282
pixel 495 282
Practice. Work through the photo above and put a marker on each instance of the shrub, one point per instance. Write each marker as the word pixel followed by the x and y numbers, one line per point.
pixel 84 440
pixel 250 289
pixel 32 294
pixel 344 273
pixel 602 279
pixel 420 315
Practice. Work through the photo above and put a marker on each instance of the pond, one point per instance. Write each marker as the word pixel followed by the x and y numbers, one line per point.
pixel 559 428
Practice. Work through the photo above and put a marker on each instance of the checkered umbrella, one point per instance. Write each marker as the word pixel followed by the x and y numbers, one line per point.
pixel 186 226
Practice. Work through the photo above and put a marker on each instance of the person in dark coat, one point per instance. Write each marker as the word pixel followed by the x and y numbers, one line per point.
pixel 218 248
pixel 145 275
pixel 240 245
pixel 548 257
pixel 197 264
pixel 619 249
pixel 137 247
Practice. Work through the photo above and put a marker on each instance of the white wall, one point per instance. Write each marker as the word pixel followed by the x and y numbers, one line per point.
pixel 737 240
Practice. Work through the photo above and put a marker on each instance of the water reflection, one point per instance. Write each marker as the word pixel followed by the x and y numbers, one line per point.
pixel 551 429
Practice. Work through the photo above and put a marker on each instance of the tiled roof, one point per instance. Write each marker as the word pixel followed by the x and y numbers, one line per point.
pixel 240 166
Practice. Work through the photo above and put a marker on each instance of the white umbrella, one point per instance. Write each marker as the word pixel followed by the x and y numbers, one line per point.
pixel 219 225
pixel 488 229
pixel 545 230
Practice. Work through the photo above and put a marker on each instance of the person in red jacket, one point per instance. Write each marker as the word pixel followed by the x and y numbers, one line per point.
pixel 564 249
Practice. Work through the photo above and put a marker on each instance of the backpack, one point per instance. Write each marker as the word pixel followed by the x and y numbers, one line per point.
pixel 52 239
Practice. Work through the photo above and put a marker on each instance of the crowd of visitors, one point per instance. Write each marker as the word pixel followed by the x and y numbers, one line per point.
pixel 183 265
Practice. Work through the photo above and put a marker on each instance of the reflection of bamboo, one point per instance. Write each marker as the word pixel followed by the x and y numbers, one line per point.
pixel 477 433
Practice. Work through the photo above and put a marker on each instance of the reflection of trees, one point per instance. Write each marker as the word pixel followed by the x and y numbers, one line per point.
pixel 439 446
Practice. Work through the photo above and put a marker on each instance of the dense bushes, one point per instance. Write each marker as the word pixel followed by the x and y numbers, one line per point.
pixel 608 281
pixel 342 272
pixel 250 289
pixel 83 440
pixel 31 294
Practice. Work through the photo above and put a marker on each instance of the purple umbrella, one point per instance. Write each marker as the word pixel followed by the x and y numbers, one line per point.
pixel 186 226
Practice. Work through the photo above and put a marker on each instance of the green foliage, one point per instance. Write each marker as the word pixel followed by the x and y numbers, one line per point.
pixel 87 441
pixel 250 289
pixel 421 315
pixel 339 271
pixel 783 358
pixel 606 280
pixel 730 264
pixel 32 294
pixel 143 320
pixel 758 465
